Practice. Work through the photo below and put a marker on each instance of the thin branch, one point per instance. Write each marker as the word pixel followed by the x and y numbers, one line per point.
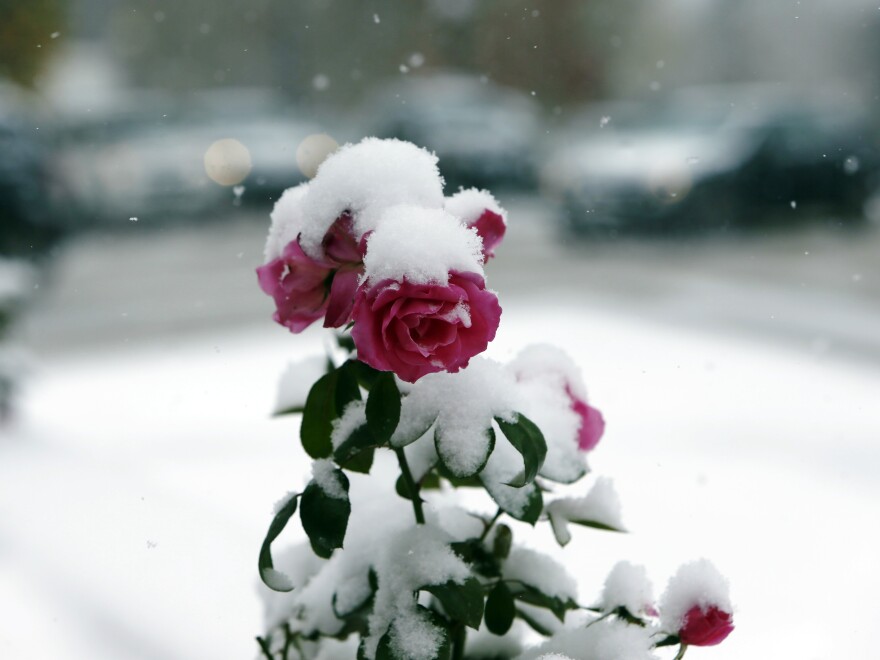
pixel 411 486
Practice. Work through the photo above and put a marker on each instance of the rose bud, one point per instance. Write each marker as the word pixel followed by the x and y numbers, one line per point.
pixel 480 211
pixel 705 627
pixel 696 605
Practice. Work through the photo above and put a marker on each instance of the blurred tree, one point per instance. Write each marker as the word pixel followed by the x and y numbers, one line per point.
pixel 26 41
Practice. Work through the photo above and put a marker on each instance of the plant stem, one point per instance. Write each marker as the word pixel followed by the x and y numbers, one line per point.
pixel 411 486
pixel 681 651
pixel 459 633
pixel 264 647
pixel 489 525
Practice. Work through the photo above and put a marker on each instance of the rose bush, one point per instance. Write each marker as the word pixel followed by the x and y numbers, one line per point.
pixel 417 329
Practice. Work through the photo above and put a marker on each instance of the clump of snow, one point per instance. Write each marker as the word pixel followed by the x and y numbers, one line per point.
pixel 276 580
pixel 484 644
pixel 601 505
pixel 551 364
pixel 604 640
pixel 548 378
pixel 366 179
pixel 283 502
pixel 463 405
pixel 297 380
pixel 627 585
pixel 412 559
pixel 540 571
pixel 353 417
pixel 288 221
pixel 696 583
pixel 421 245
pixel 470 204
pixel 326 476
pixel 504 466
pixel 421 455
pixel 296 564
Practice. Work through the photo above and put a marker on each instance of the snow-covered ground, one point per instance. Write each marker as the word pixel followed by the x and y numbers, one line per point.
pixel 740 385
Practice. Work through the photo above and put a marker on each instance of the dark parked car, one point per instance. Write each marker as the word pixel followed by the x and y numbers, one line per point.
pixel 709 159
pixel 484 134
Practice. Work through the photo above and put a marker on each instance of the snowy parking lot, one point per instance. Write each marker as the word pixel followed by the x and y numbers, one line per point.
pixel 739 378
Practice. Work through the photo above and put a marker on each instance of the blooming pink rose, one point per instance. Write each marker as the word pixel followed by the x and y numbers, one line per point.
pixel 490 227
pixel 306 289
pixel 417 329
pixel 299 286
pixel 592 423
pixel 705 627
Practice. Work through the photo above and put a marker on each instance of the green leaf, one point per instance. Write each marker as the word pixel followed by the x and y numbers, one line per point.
pixel 528 440
pixel 502 542
pixel 461 602
pixel 500 609
pixel 596 525
pixel 325 518
pixel 359 440
pixel 360 462
pixel 526 593
pixel 318 416
pixel 347 388
pixel 445 453
pixel 383 407
pixel 366 375
pixel 480 560
pixel 345 342
pixel 276 580
pixel 534 503
pixel 669 640
pixel 326 402
pixel 534 623
pixel 292 410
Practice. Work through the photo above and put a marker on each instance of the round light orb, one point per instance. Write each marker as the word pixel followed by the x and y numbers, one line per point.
pixel 228 162
pixel 312 151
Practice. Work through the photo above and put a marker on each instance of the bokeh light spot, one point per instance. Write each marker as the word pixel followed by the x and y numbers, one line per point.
pixel 312 151
pixel 228 162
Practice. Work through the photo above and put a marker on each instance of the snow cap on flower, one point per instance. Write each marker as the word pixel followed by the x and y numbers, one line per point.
pixel 422 246
pixel 366 179
pixel 287 221
pixel 628 586
pixel 697 588
pixel 480 210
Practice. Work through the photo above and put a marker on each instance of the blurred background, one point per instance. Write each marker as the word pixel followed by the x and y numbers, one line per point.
pixel 705 172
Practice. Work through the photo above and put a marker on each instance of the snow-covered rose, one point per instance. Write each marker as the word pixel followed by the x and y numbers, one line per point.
pixel 705 627
pixel 490 227
pixel 696 605
pixel 306 289
pixel 592 423
pixel 417 329
pixel 479 210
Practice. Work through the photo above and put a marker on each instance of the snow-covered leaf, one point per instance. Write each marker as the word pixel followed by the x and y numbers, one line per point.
pixel 324 513
pixel 276 580
pixel 528 440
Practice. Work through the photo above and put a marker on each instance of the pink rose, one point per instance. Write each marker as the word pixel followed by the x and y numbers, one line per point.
pixel 490 227
pixel 417 329
pixel 592 423
pixel 299 286
pixel 705 627
pixel 306 289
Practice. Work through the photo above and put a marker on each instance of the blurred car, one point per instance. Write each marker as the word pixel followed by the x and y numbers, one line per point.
pixel 161 169
pixel 483 134
pixel 711 159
